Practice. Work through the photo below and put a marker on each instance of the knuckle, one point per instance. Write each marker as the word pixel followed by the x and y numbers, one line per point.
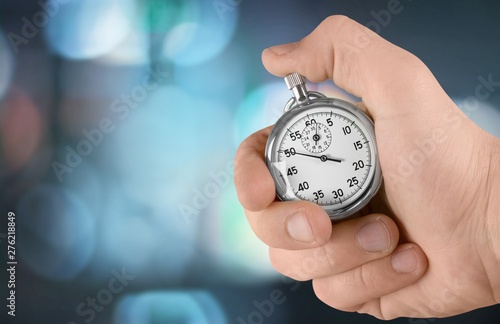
pixel 322 291
pixel 262 231
pixel 276 259
pixel 412 67
pixel 326 292
pixel 309 267
pixel 282 262
pixel 258 227
pixel 297 274
pixel 363 278
pixel 412 74
pixel 334 22
pixel 331 290
pixel 328 254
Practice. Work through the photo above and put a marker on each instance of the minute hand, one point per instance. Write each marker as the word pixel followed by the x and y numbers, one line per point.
pixel 323 158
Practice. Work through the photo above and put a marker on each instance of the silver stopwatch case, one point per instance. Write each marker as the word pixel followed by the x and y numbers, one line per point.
pixel 318 126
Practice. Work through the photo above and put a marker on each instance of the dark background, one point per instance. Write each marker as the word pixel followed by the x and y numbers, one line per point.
pixel 155 197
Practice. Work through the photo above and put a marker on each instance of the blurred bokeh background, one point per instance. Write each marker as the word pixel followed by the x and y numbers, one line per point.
pixel 119 122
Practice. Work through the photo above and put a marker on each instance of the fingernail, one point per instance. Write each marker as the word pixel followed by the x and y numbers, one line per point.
pixel 299 228
pixel 404 261
pixel 283 49
pixel 374 237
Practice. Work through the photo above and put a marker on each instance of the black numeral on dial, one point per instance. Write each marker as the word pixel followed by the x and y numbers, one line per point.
pixel 290 152
pixel 352 182
pixel 318 194
pixel 346 130
pixel 358 165
pixel 295 136
pixel 337 193
pixel 358 145
pixel 310 122
pixel 303 186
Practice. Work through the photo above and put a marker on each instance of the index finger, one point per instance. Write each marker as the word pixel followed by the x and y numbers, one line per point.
pixel 288 225
pixel 254 185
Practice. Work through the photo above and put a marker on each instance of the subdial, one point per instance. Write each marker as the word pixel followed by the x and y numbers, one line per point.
pixel 316 138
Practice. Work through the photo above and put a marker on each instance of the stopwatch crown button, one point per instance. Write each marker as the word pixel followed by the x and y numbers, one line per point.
pixel 297 84
pixel 293 80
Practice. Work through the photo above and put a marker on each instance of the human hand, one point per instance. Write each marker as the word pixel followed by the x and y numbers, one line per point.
pixel 438 254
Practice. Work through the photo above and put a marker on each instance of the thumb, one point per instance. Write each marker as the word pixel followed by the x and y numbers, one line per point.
pixel 358 60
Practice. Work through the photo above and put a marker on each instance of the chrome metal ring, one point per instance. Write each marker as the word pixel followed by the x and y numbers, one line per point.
pixel 311 95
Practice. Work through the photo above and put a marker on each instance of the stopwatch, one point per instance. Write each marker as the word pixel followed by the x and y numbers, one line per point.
pixel 323 150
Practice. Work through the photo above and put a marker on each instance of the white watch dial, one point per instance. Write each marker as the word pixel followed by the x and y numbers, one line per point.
pixel 327 156
pixel 325 153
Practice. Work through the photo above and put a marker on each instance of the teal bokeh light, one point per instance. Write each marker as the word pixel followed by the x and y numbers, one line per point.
pixel 261 108
pixel 198 307
pixel 201 34
pixel 85 29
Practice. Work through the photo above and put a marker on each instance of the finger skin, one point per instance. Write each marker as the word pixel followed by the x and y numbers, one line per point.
pixel 254 185
pixel 350 290
pixel 341 253
pixel 270 224
pixel 256 192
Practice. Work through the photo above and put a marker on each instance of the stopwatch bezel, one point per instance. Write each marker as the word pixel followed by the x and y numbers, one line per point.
pixel 370 189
